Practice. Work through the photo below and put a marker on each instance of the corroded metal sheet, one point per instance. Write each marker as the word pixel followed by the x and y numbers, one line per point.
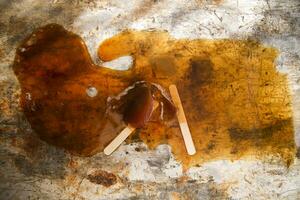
pixel 33 169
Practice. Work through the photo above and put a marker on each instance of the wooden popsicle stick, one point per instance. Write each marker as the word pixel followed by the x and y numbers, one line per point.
pixel 113 145
pixel 185 131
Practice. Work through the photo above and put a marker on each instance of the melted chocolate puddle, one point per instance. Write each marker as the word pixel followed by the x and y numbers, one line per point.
pixel 235 101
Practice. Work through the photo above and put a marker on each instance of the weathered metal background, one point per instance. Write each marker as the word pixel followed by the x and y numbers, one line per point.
pixel 32 169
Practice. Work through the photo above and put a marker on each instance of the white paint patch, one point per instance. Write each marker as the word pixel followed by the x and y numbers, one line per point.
pixel 191 20
pixel 91 91
pixel 251 179
pixel 149 165
pixel 3 78
pixel 182 19
pixel 28 96
pixel 288 63
pixel 121 63
pixel 124 92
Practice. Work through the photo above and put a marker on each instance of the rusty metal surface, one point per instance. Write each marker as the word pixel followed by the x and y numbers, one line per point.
pixel 32 169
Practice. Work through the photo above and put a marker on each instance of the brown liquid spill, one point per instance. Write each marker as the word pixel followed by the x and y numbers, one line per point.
pixel 235 101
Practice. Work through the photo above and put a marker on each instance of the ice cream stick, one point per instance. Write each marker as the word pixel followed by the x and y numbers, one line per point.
pixel 185 131
pixel 113 145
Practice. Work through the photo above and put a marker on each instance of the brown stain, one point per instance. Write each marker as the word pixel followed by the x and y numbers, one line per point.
pixel 102 178
pixel 5 107
pixel 73 163
pixel 209 2
pixel 142 9
pixel 175 196
pixel 236 103
pixel 218 2
pixel 55 71
pixel 31 145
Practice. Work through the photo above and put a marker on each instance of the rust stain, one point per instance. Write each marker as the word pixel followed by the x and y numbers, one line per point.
pixel 102 178
pixel 218 1
pixel 236 103
pixel 72 163
pixel 175 196
pixel 208 2
pixel 5 107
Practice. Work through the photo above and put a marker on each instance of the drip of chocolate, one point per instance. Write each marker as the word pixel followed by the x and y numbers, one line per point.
pixel 138 106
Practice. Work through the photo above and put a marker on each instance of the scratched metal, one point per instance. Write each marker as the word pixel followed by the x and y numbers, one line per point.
pixel 32 169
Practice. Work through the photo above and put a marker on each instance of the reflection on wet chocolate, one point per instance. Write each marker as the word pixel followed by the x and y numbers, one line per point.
pixel 235 101
pixel 138 111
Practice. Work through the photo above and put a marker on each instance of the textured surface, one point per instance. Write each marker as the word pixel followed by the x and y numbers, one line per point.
pixel 32 169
